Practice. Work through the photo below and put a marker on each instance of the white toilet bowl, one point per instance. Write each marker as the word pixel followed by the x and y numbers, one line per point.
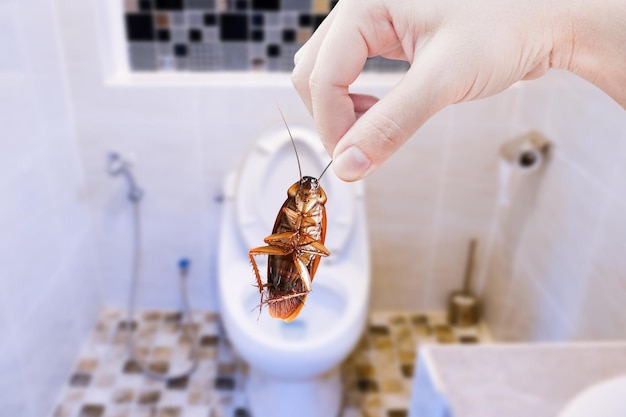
pixel 293 366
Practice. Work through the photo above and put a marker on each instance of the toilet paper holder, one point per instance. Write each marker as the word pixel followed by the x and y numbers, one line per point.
pixel 526 152
pixel 519 156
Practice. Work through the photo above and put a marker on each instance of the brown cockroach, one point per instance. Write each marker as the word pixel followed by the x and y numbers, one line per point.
pixel 294 248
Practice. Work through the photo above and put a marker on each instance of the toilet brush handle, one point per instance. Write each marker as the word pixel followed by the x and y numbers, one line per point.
pixel 469 268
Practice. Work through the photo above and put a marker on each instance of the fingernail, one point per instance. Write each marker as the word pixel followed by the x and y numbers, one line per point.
pixel 351 164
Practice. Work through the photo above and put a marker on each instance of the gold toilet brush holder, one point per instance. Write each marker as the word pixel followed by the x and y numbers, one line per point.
pixel 463 306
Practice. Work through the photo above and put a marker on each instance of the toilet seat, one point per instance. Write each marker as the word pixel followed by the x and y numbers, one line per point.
pixel 270 168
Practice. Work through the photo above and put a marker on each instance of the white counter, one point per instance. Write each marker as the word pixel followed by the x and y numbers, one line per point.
pixel 509 380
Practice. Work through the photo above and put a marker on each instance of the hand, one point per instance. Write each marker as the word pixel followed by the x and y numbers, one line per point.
pixel 458 51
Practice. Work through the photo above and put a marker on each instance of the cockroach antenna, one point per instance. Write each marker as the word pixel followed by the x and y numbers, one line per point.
pixel 292 141
pixel 324 171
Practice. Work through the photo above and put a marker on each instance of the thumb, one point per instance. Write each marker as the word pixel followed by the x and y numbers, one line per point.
pixel 389 123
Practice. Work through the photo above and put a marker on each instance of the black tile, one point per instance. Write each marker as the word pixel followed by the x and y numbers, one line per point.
pixel 318 19
pixel 224 383
pixel 273 51
pixel 174 317
pixel 195 35
pixel 163 35
pixel 145 5
pixel 233 27
pixel 241 412
pixel 178 383
pixel 139 27
pixel 468 339
pixel 209 340
pixel 210 19
pixel 305 20
pixel 168 4
pixel 397 413
pixel 407 370
pixel 180 50
pixel 367 385
pixel 257 35
pixel 273 5
pixel 257 19
pixel 289 36
pixel 379 330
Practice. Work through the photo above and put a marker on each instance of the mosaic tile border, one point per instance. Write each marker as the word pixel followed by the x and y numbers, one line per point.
pixel 225 35
pixel 377 376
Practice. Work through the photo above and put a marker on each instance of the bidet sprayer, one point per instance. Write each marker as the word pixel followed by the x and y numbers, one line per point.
pixel 119 166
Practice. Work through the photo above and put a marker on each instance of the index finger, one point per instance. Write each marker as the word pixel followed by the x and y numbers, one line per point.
pixel 341 57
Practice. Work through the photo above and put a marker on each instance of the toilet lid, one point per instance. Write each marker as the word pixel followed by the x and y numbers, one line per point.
pixel 268 171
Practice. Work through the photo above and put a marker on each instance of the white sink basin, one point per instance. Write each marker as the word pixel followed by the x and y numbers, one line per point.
pixel 606 399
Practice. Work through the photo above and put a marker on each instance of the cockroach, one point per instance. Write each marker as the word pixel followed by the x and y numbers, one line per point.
pixel 295 246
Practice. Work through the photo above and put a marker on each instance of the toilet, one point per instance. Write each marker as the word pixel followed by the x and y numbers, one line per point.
pixel 293 367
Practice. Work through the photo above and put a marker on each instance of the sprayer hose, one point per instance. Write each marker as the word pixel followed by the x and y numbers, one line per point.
pixel 187 322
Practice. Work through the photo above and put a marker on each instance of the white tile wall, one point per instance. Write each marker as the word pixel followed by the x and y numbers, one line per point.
pixel 403 199
pixel 557 236
pixel 11 60
pixel 48 276
pixel 601 312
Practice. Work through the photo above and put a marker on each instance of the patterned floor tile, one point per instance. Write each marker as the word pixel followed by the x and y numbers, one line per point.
pixel 106 383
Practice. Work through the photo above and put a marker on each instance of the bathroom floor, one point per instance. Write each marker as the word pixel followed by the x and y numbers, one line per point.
pixel 377 375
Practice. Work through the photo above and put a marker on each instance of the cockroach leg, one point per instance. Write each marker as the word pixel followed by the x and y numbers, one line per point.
pixel 314 248
pixel 304 272
pixel 262 250
pixel 284 240
pixel 285 297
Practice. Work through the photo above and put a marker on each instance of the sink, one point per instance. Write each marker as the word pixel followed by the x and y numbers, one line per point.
pixel 606 399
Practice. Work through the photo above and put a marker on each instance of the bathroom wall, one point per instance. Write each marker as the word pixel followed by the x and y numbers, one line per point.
pixel 433 197
pixel 49 274
pixel 557 268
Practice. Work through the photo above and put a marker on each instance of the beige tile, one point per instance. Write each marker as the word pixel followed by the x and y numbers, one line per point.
pixel 398 268
pixel 468 206
pixel 402 207
pixel 404 190
pixel 321 6
pixel 303 35
pixel 87 364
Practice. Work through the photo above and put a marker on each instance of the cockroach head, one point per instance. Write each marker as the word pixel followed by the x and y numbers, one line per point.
pixel 309 183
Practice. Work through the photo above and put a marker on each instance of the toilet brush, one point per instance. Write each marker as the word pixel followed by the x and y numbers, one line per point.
pixel 463 308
